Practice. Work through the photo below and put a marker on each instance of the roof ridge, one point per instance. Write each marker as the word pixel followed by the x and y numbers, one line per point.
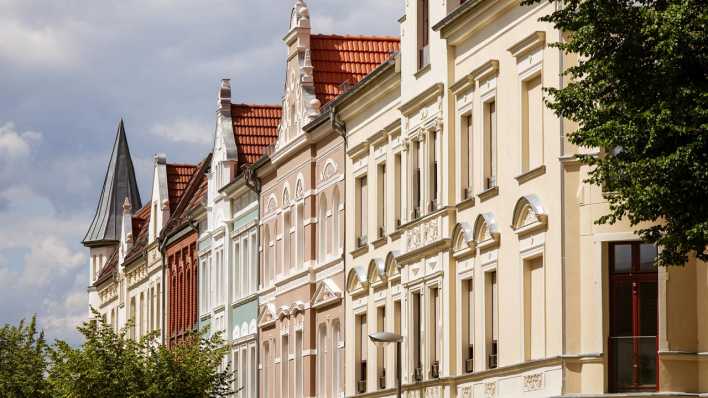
pixel 257 105
pixel 182 164
pixel 356 37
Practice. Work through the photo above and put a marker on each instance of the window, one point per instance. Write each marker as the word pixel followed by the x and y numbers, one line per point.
pixel 633 317
pixel 143 314
pixel 336 360
pixel 159 309
pixel 490 144
pixel 252 382
pixel 238 369
pixel 265 365
pixel 423 33
pixel 435 326
pixel 381 200
pixel 267 258
pixel 336 237
pixel 467 309
pixel 300 235
pixel 466 156
pixel 362 211
pixel 381 349
pixel 253 266
pixel 287 242
pixel 322 224
pixel 322 360
pixel 298 365
pixel 433 172
pixel 416 180
pixel 491 319
pixel 532 129
pixel 246 265
pixel 397 189
pixel 396 328
pixel 534 309
pixel 237 266
pixel 132 318
pixel 285 366
pixel 360 349
pixel 416 342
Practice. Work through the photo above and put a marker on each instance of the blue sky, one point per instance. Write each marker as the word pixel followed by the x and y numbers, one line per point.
pixel 70 69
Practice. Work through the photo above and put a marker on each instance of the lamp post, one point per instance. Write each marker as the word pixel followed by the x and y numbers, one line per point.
pixel 384 338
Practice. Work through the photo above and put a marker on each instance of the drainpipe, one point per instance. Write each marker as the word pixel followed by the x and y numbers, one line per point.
pixel 254 184
pixel 341 129
pixel 564 289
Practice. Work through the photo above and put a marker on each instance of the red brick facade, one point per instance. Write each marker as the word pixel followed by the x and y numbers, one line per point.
pixel 182 277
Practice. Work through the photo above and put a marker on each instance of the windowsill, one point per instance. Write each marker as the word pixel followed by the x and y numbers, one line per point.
pixel 531 174
pixel 488 194
pixel 379 242
pixel 396 234
pixel 422 71
pixel 465 203
pixel 359 251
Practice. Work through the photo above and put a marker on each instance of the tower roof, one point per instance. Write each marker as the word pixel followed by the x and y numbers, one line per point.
pixel 118 185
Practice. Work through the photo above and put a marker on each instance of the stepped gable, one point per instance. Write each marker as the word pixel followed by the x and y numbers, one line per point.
pixel 119 183
pixel 340 61
pixel 255 129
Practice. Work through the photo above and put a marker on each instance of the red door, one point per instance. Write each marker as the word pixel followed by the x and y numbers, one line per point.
pixel 633 317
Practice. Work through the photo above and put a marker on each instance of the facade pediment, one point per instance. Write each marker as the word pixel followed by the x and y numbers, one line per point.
pixel 267 316
pixel 326 293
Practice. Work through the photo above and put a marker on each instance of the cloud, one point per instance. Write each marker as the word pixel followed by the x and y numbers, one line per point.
pixel 184 130
pixel 29 46
pixel 14 145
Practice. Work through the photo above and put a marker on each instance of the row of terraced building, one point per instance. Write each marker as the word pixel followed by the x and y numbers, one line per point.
pixel 415 185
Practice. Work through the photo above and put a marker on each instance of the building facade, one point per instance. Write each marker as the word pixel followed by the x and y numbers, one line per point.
pixel 418 186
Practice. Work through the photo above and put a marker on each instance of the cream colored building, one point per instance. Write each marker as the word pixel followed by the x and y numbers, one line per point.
pixel 470 231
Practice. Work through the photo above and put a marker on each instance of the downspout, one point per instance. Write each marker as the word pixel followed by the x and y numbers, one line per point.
pixel 561 66
pixel 341 129
pixel 254 184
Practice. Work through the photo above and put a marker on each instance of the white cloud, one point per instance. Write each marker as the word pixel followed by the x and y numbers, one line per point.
pixel 183 130
pixel 13 144
pixel 29 46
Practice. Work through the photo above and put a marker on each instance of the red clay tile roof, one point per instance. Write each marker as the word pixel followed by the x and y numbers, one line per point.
pixel 255 128
pixel 108 269
pixel 346 59
pixel 192 198
pixel 178 176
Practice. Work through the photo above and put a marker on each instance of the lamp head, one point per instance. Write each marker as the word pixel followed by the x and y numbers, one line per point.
pixel 385 337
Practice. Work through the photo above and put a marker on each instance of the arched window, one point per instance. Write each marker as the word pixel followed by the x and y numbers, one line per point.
pixel 336 237
pixel 337 362
pixel 322 360
pixel 300 222
pixel 265 271
pixel 266 366
pixel 287 226
pixel 322 223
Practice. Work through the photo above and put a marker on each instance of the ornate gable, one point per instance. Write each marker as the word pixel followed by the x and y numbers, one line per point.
pixel 267 316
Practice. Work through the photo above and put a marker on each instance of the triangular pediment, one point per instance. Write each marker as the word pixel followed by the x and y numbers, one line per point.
pixel 327 293
pixel 267 315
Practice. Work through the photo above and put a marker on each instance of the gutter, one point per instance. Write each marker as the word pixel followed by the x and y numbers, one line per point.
pixel 564 288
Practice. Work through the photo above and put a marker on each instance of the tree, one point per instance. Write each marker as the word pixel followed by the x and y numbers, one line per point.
pixel 23 361
pixel 639 93
pixel 108 364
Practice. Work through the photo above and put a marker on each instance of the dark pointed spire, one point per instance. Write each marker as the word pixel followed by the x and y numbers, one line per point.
pixel 119 185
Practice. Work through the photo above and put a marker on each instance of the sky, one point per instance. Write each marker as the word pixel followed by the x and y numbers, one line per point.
pixel 70 69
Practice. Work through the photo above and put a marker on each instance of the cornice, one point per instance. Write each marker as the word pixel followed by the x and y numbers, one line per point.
pixel 427 96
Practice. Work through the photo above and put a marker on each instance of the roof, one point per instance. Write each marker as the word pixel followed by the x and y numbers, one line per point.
pixel 108 269
pixel 193 193
pixel 339 61
pixel 255 128
pixel 178 176
pixel 118 184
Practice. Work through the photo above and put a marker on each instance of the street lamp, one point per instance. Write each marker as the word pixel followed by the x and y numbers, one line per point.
pixel 384 338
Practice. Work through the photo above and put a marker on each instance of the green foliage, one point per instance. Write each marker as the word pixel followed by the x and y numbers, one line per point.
pixel 640 92
pixel 109 364
pixel 22 361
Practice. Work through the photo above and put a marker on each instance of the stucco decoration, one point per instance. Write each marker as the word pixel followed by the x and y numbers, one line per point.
pixel 529 214
pixel 490 390
pixel 299 189
pixel 463 237
pixel 244 329
pixel 326 293
pixel 297 307
pixel 329 170
pixel 272 204
pixel 286 195
pixel 533 382
pixel 253 327
pixel 267 315
pixel 391 264
pixel 486 231
pixel 376 271
pixel 283 312
pixel 464 392
pixel 356 279
pixel 423 234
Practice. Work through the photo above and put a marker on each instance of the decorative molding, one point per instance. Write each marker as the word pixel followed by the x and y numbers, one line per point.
pixel 423 234
pixel 533 382
pixel 490 390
